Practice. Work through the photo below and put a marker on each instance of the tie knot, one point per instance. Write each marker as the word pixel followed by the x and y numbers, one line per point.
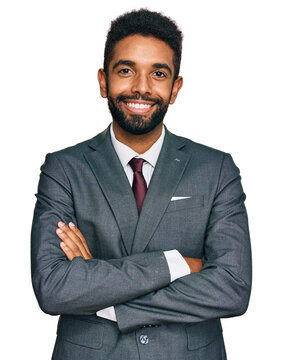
pixel 136 164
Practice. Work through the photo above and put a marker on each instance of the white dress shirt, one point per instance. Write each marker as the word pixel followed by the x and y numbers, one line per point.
pixel 176 263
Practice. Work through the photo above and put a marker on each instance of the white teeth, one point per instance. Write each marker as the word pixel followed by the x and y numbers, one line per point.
pixel 138 106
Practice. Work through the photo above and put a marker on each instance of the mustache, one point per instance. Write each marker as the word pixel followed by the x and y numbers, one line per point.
pixel 138 97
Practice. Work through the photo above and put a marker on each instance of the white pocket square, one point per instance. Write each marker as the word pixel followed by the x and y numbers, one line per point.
pixel 180 198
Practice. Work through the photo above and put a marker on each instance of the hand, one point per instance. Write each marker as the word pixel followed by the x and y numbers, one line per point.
pixel 74 243
pixel 194 264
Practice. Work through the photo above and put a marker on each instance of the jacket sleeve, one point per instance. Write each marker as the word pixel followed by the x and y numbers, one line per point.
pixel 222 287
pixel 81 286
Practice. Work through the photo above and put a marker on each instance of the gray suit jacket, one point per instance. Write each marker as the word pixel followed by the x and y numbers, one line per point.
pixel 86 184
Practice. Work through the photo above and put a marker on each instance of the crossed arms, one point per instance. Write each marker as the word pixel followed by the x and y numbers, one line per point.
pixel 78 284
pixel 74 244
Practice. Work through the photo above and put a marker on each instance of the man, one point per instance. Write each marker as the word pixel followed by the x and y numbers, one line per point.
pixel 140 237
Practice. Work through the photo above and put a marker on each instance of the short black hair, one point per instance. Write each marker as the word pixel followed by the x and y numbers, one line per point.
pixel 145 23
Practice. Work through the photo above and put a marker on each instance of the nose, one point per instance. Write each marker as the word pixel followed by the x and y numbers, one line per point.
pixel 142 85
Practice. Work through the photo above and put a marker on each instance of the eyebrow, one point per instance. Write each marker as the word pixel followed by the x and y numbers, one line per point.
pixel 123 62
pixel 132 63
pixel 162 66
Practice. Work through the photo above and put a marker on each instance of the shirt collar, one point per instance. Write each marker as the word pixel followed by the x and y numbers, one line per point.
pixel 125 153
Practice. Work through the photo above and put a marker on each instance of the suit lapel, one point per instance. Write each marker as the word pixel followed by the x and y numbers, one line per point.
pixel 169 169
pixel 113 181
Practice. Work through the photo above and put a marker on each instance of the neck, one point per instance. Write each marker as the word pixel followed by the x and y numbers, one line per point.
pixel 138 143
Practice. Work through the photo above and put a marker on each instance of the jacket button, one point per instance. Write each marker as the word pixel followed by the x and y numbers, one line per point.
pixel 144 339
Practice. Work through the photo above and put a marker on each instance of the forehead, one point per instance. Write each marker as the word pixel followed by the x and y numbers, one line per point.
pixel 143 50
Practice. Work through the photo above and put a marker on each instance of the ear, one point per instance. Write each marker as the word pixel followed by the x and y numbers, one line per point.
pixel 102 78
pixel 176 87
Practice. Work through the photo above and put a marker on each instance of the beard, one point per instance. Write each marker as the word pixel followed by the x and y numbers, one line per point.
pixel 135 123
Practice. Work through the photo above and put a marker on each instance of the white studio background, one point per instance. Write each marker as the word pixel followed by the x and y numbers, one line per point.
pixel 231 100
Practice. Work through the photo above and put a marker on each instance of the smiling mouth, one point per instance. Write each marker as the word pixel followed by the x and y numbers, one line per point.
pixel 138 107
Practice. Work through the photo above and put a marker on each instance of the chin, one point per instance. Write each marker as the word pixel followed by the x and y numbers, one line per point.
pixel 137 126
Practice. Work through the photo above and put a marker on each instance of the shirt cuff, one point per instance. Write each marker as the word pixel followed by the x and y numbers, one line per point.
pixel 107 313
pixel 178 267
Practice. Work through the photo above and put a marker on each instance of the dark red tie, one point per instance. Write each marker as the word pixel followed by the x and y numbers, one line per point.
pixel 139 185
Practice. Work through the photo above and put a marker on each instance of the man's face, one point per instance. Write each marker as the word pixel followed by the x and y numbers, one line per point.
pixel 139 85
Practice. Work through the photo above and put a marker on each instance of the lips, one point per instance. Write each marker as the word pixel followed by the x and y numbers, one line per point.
pixel 138 107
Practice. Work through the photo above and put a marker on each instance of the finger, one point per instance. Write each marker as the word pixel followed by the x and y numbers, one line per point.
pixel 76 246
pixel 69 242
pixel 78 233
pixel 72 237
pixel 67 251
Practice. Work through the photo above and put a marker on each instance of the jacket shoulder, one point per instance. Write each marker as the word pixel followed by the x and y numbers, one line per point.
pixel 199 150
pixel 72 150
pixel 209 160
pixel 77 150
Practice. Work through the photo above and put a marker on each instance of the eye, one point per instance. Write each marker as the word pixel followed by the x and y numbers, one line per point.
pixel 125 71
pixel 159 74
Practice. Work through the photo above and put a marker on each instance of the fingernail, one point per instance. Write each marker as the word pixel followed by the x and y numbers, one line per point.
pixel 71 224
pixel 63 244
pixel 61 223
pixel 59 231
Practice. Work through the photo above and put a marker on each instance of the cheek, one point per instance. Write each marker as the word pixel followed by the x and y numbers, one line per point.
pixel 163 90
pixel 117 86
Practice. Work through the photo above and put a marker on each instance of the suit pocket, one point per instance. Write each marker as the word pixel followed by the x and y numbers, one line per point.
pixel 81 332
pixel 191 202
pixel 203 333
